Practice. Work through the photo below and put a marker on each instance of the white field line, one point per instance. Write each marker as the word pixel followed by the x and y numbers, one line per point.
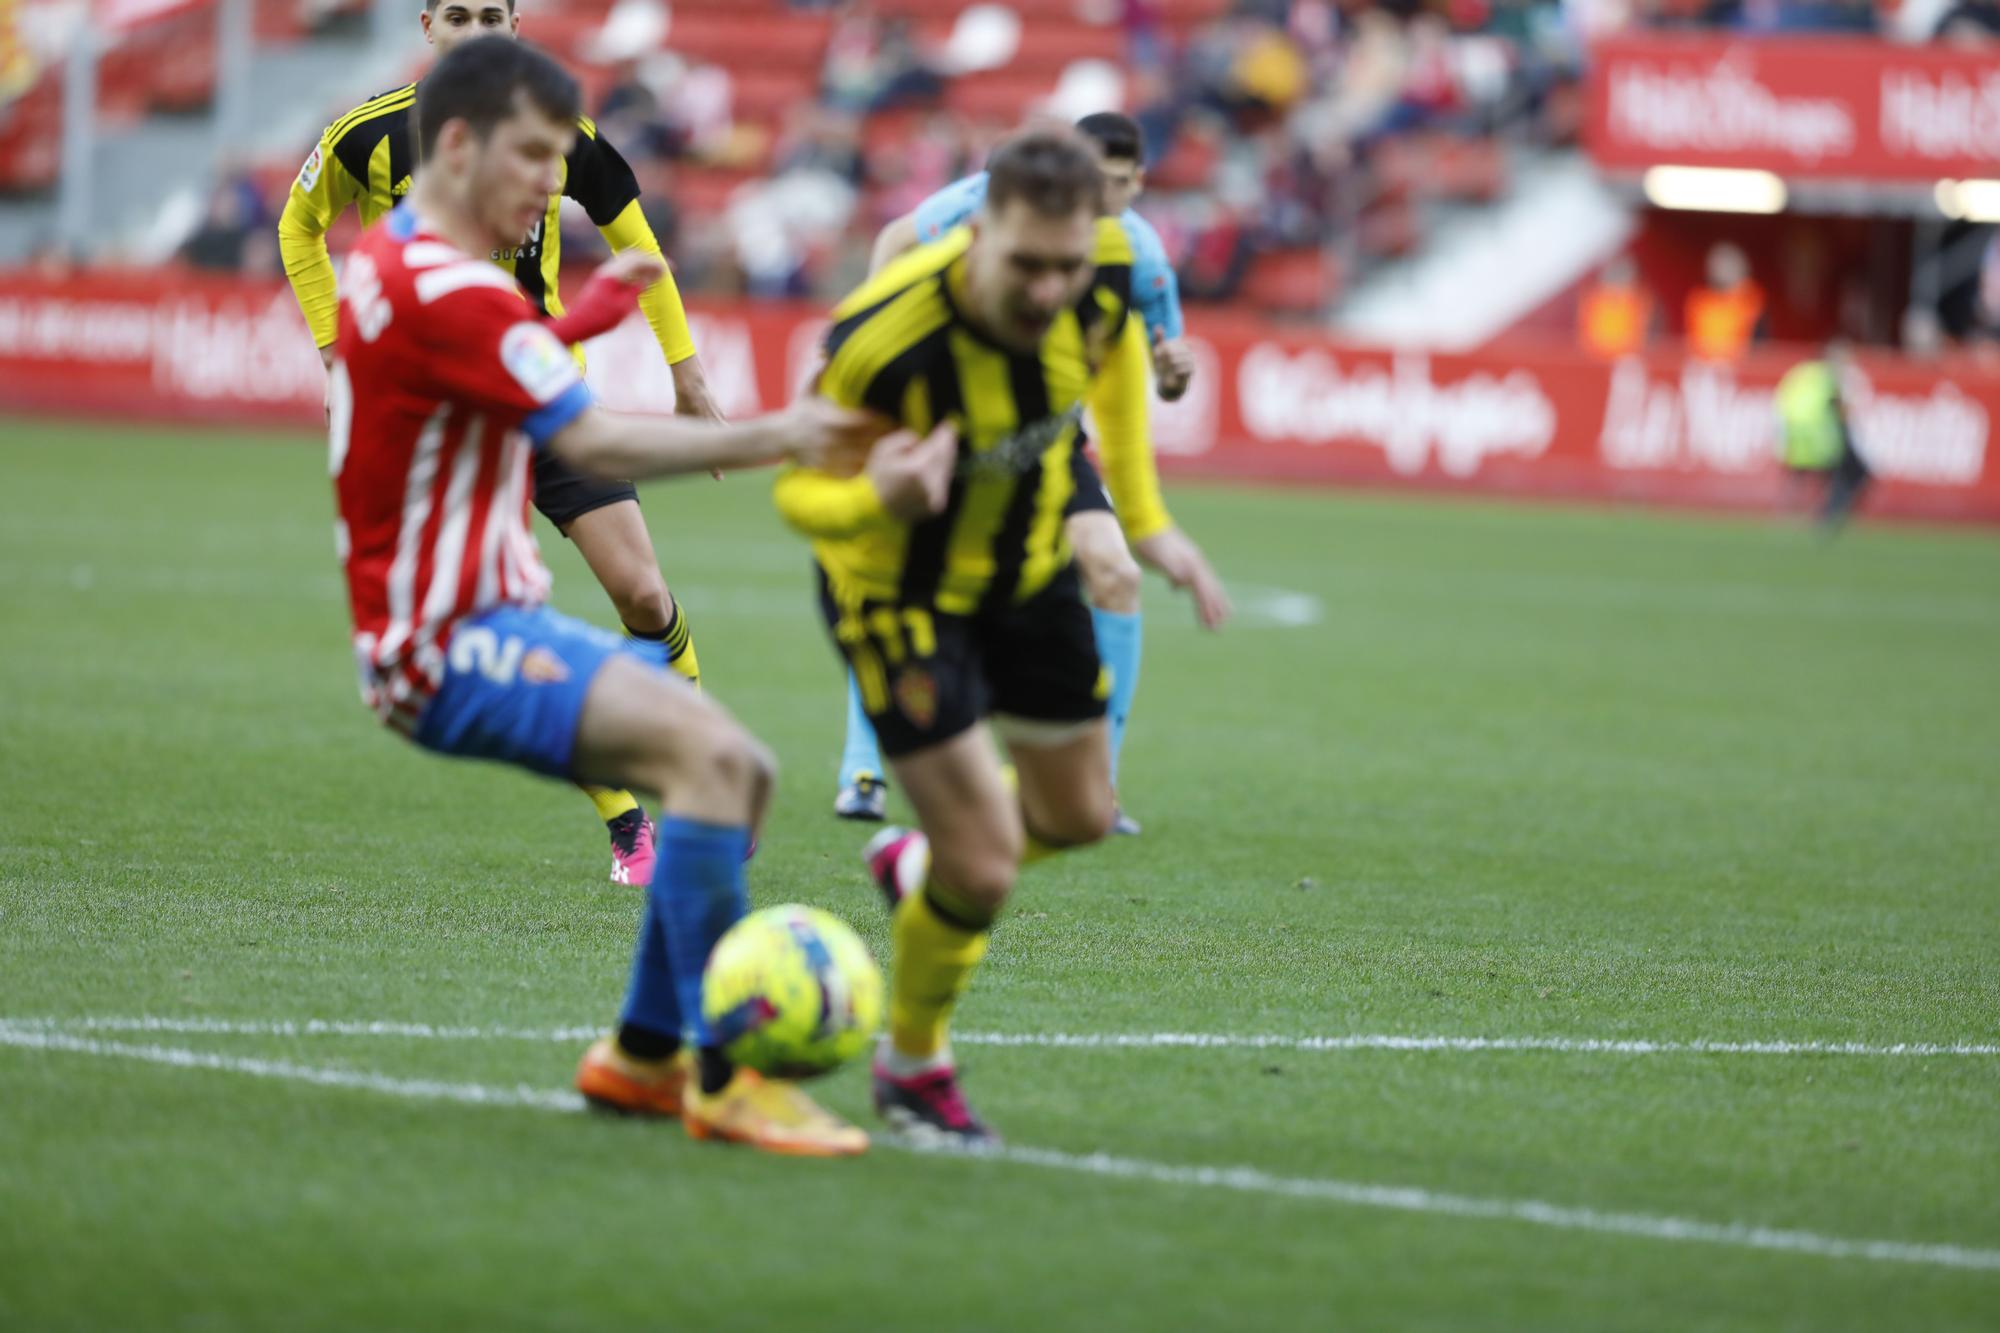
pixel 1242 1180
pixel 415 1089
pixel 321 1027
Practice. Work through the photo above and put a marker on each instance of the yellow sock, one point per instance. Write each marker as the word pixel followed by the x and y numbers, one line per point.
pixel 610 801
pixel 933 962
pixel 1033 849
pixel 679 643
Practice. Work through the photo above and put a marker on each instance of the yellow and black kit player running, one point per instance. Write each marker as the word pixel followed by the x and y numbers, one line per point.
pixel 365 159
pixel 978 609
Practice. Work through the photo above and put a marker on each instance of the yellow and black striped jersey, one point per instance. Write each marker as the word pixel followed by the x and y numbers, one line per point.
pixel 902 346
pixel 365 158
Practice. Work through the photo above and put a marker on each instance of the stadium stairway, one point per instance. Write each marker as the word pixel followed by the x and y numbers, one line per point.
pixel 154 166
pixel 1485 266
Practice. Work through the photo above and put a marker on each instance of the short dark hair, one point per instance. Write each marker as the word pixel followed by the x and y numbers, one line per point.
pixel 430 6
pixel 1050 170
pixel 481 82
pixel 1118 136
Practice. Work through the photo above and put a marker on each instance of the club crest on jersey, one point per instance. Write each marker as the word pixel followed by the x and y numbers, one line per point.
pixel 540 666
pixel 309 173
pixel 917 696
pixel 537 361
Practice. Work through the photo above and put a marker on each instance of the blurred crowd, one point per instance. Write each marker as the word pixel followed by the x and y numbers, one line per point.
pixel 1316 128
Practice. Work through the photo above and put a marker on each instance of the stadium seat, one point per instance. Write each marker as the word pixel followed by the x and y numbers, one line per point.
pixel 740 41
pixel 1298 281
pixel 1003 95
pixel 31 136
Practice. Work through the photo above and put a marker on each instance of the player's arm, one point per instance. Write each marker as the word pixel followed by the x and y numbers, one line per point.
pixel 1124 438
pixel 603 183
pixel 612 444
pixel 928 221
pixel 904 478
pixel 323 188
pixel 1156 292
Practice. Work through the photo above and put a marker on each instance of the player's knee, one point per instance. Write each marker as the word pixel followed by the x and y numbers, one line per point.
pixel 982 876
pixel 1078 823
pixel 642 600
pixel 1111 577
pixel 703 749
pixel 729 759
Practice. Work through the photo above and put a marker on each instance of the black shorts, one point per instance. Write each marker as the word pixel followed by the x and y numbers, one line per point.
pixel 1090 494
pixel 564 494
pixel 926 675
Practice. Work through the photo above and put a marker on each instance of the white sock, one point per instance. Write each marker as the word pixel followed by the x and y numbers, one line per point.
pixel 897 1065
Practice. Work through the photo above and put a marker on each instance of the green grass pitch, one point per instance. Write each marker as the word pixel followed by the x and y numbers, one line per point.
pixel 1524 772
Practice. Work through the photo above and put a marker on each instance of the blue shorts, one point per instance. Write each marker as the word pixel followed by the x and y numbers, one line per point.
pixel 514 684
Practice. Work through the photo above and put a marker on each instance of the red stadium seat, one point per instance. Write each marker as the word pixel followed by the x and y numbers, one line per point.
pixel 1001 95
pixel 738 40
pixel 1302 281
pixel 31 136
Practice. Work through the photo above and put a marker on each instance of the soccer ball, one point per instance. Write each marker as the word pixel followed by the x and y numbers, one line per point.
pixel 792 992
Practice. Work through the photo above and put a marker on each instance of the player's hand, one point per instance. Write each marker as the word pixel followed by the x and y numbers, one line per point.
pixel 637 269
pixel 691 395
pixel 912 473
pixel 609 297
pixel 1175 555
pixel 820 434
pixel 1173 365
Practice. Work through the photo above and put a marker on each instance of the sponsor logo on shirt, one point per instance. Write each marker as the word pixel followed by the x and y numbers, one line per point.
pixel 1021 453
pixel 537 361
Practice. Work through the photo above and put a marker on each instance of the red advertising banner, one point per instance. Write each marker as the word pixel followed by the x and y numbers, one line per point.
pixel 1285 406
pixel 1827 108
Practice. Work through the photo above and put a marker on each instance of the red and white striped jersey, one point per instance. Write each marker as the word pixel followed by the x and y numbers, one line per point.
pixel 443 385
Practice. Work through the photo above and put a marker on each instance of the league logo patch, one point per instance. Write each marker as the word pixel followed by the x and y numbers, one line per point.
pixel 537 361
pixel 309 173
pixel 542 667
pixel 917 696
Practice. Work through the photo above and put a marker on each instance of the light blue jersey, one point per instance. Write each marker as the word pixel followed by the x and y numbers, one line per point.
pixel 1155 290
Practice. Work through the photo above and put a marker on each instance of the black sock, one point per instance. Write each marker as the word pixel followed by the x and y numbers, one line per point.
pixel 646 1044
pixel 716 1071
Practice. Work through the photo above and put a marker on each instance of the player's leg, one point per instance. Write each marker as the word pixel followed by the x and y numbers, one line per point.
pixel 939 933
pixel 1062 774
pixel 602 518
pixel 1050 696
pixel 641 728
pixel 863 794
pixel 1112 583
pixel 613 540
pixel 921 685
pixel 1846 482
pixel 1048 699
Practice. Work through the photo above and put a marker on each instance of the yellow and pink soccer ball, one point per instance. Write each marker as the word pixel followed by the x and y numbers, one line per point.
pixel 792 992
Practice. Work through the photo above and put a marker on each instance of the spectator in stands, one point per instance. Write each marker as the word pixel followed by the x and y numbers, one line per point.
pixel 1804 15
pixel 1816 438
pixel 630 117
pixel 1615 316
pixel 235 235
pixel 1726 313
pixel 1970 25
pixel 875 63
